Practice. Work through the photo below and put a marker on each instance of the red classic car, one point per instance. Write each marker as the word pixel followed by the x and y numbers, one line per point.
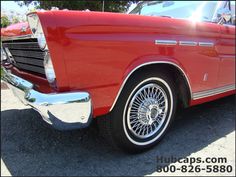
pixel 134 68
pixel 18 29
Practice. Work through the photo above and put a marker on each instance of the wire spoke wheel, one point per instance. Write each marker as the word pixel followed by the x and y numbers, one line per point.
pixel 147 111
pixel 143 113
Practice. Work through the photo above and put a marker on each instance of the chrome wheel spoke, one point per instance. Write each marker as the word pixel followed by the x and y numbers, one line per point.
pixel 148 110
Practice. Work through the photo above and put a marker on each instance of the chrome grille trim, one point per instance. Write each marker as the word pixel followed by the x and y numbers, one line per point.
pixel 22 45
pixel 13 38
pixel 26 55
pixel 32 68
pixel 25 60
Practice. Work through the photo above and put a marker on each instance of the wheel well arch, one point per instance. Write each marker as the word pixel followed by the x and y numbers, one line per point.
pixel 182 81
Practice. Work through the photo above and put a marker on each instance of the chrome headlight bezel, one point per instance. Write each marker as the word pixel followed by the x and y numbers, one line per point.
pixel 42 41
pixel 49 69
pixel 3 54
pixel 37 30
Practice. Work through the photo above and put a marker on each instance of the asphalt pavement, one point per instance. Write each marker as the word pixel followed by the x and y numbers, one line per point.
pixel 30 147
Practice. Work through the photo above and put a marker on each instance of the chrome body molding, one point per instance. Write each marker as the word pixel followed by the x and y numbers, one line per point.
pixel 184 43
pixel 165 42
pixel 71 110
pixel 213 92
pixel 206 44
pixel 28 36
pixel 188 43
pixel 227 56
pixel 151 63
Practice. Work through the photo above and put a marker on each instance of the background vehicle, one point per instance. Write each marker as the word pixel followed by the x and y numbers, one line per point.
pixel 135 69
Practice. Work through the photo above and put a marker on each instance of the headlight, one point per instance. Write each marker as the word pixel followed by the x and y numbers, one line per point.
pixel 41 41
pixel 49 71
pixel 37 30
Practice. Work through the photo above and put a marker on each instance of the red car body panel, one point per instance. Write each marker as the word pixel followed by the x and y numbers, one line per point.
pixel 95 52
pixel 41 84
pixel 17 29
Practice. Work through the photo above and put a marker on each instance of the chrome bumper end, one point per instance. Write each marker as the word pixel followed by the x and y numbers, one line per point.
pixel 64 111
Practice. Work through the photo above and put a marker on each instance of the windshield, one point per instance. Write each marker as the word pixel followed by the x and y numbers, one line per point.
pixel 195 10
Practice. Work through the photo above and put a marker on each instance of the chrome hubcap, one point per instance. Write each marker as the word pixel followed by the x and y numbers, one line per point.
pixel 147 111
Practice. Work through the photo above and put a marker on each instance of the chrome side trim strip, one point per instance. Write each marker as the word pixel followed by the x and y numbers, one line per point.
pixel 16 37
pixel 206 44
pixel 150 63
pixel 227 56
pixel 212 92
pixel 188 43
pixel 165 42
pixel 184 43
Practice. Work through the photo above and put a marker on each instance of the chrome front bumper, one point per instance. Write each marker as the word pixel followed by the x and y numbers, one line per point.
pixel 72 110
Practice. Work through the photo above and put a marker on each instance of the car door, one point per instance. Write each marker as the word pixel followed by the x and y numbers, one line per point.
pixel 226 51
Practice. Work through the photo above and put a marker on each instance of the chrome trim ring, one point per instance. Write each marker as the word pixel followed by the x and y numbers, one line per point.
pixel 166 120
pixel 147 111
pixel 150 63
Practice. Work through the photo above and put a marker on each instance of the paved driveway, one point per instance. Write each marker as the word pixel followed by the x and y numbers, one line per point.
pixel 30 147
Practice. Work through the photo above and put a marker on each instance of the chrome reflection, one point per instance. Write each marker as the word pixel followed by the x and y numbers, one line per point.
pixel 147 111
pixel 165 42
pixel 63 110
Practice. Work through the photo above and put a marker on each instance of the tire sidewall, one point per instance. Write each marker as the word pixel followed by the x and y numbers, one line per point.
pixel 155 136
pixel 120 130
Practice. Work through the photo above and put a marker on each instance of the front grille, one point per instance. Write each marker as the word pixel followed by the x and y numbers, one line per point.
pixel 26 55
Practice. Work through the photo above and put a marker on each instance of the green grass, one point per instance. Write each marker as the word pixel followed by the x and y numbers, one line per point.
pixel 1 72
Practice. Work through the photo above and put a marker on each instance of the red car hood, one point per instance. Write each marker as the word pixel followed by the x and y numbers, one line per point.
pixel 17 29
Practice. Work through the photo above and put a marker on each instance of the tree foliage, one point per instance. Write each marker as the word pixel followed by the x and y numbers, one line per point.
pixel 15 20
pixel 93 5
pixel 5 21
